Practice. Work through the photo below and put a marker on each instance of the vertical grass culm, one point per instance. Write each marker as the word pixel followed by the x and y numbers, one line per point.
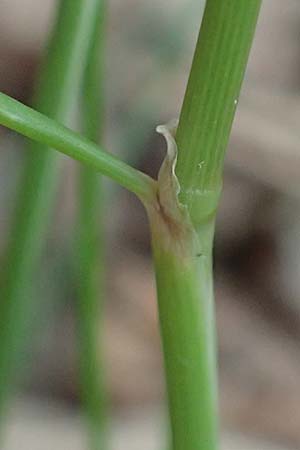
pixel 181 210
pixel 183 229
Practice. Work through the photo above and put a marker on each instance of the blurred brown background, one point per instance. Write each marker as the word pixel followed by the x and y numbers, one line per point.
pixel 257 253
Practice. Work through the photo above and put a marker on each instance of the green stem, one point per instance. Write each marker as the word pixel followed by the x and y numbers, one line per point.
pixel 40 128
pixel 182 248
pixel 212 94
pixel 185 300
pixel 60 77
pixel 90 255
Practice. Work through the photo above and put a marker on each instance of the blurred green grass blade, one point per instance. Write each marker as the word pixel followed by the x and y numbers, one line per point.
pixel 90 248
pixel 40 128
pixel 58 85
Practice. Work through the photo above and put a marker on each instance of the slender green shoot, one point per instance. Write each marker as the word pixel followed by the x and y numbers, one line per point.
pixel 90 248
pixel 182 232
pixel 60 77
pixel 42 129
pixel 183 238
pixel 212 95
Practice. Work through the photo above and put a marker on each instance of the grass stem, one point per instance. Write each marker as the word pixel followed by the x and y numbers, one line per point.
pixel 60 78
pixel 183 253
pixel 42 129
pixel 90 246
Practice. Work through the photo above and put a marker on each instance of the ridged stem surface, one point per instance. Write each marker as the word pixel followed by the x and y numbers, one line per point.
pixel 184 278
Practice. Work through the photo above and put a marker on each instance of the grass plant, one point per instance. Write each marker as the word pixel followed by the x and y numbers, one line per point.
pixel 181 207
pixel 69 75
pixel 89 255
